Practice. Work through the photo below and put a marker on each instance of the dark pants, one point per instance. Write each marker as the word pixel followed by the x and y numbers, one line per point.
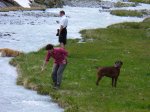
pixel 57 73
pixel 63 36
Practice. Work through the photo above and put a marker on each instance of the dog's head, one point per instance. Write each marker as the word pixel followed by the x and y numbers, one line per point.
pixel 118 64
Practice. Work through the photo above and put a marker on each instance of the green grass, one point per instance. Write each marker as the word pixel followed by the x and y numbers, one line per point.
pixel 132 13
pixel 79 93
pixel 134 25
pixel 121 4
pixel 141 1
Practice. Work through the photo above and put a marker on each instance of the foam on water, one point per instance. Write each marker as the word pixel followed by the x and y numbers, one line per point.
pixel 26 37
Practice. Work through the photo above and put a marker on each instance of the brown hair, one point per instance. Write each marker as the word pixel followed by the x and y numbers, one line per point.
pixel 49 47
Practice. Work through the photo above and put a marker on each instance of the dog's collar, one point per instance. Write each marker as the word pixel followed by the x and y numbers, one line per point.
pixel 115 66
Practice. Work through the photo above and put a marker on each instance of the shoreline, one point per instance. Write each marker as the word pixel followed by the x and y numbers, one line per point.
pixel 19 97
pixel 21 9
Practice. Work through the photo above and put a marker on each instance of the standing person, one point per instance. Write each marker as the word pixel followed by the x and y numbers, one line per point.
pixel 63 29
pixel 60 62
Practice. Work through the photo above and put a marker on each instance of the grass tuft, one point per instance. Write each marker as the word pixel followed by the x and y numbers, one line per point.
pixel 132 13
pixel 122 4
pixel 140 1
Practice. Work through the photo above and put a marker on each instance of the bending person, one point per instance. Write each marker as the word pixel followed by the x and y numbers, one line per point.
pixel 60 61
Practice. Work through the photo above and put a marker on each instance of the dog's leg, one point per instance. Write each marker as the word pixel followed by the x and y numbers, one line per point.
pixel 113 80
pixel 98 79
pixel 116 81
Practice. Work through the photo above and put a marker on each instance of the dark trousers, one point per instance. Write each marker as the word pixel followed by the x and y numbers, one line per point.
pixel 63 36
pixel 57 73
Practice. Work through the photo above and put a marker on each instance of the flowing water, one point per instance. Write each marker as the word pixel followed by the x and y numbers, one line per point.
pixel 27 32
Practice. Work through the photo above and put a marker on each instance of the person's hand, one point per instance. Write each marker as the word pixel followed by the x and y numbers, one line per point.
pixel 42 69
pixel 57 22
pixel 57 32
pixel 44 66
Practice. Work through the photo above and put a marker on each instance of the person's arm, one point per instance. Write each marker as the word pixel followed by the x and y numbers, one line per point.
pixel 57 22
pixel 60 30
pixel 64 52
pixel 61 25
pixel 46 61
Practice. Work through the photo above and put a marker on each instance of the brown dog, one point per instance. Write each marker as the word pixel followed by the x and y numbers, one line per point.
pixel 9 53
pixel 112 72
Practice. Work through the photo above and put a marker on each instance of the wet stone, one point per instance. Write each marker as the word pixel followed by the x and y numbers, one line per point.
pixel 6 35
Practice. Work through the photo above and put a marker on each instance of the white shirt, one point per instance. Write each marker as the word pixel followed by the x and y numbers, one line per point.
pixel 64 21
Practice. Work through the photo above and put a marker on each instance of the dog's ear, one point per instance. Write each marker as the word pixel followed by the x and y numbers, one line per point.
pixel 120 62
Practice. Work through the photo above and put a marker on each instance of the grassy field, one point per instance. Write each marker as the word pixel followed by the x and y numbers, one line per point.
pixel 129 42
pixel 141 1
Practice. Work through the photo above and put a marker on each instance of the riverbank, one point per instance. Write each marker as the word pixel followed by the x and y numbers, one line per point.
pixel 131 13
pixel 140 1
pixel 15 98
pixel 101 47
pixel 7 9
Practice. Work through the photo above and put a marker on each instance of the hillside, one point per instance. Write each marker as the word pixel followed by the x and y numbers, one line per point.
pixel 8 3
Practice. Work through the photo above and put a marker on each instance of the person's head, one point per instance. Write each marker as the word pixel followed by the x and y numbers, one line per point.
pixel 49 47
pixel 62 13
